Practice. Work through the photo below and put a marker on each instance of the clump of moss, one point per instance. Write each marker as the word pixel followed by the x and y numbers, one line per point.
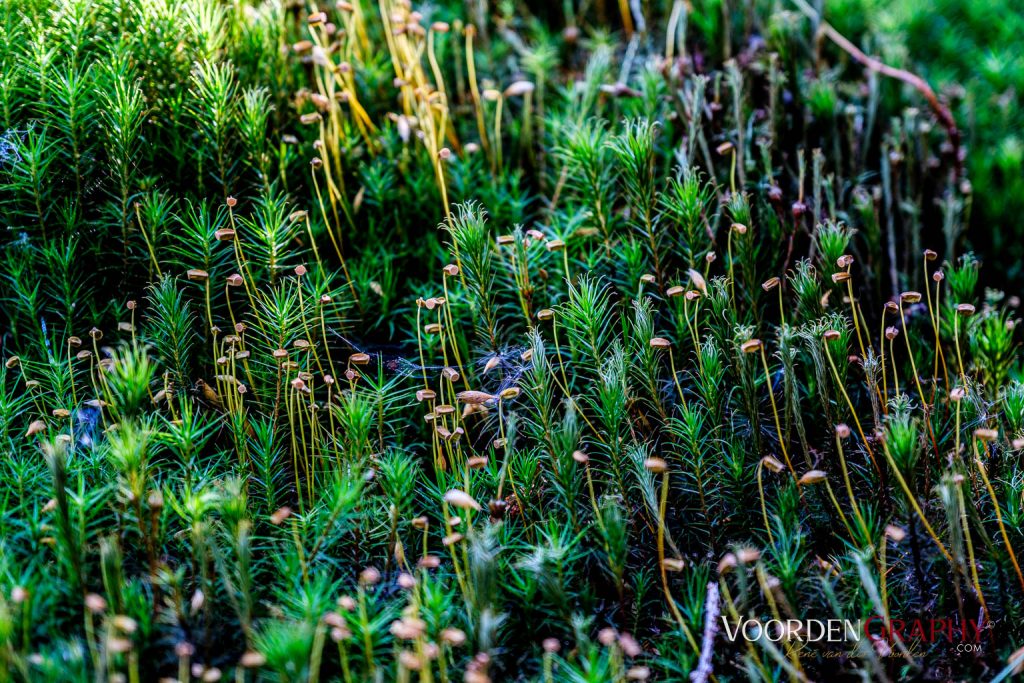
pixel 395 342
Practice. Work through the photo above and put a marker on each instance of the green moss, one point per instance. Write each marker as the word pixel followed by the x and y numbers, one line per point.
pixel 373 345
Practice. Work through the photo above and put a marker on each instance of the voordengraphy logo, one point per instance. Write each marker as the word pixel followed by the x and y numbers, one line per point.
pixel 849 630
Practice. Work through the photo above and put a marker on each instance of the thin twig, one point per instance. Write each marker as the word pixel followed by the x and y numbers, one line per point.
pixel 940 110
